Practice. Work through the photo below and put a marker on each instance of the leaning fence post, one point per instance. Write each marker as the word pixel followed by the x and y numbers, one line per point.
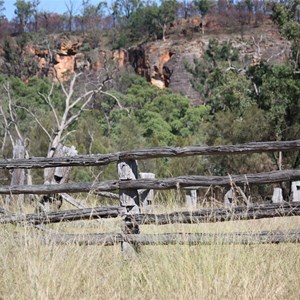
pixel 147 196
pixel 191 198
pixel 127 170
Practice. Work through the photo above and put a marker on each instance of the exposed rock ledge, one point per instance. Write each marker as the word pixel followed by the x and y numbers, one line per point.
pixel 161 62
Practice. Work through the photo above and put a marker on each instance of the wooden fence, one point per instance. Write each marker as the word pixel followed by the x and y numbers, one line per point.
pixel 128 185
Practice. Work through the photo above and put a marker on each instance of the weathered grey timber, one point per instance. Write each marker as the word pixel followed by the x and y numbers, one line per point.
pixel 219 214
pixel 277 195
pixel 61 188
pixel 191 199
pixel 104 159
pixel 296 191
pixel 248 238
pixel 59 174
pixel 198 216
pixel 156 184
pixel 222 238
pixel 64 216
pixel 107 194
pixel 147 196
pixel 72 201
pixel 233 195
pixel 18 175
pixel 127 171
pixel 129 199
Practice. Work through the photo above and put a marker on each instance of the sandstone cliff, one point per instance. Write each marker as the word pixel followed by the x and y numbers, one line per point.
pixel 161 62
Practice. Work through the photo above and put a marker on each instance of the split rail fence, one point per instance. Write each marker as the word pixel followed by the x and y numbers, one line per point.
pixel 128 186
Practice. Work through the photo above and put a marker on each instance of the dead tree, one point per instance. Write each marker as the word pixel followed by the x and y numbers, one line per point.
pixel 74 105
pixel 13 133
pixel 77 97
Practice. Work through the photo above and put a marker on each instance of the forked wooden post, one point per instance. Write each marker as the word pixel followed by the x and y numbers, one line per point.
pixel 127 170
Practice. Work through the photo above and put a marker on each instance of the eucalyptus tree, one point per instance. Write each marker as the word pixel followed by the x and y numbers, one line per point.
pixel 24 10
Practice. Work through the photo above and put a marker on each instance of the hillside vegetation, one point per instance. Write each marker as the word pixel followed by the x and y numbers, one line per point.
pixel 237 97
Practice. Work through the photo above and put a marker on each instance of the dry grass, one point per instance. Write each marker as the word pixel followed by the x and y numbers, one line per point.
pixel 31 270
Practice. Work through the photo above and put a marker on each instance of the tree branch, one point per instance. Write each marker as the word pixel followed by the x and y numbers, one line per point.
pixel 36 119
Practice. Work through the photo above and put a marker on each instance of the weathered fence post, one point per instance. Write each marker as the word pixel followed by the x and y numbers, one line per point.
pixel 57 175
pixel 147 196
pixel 60 174
pixel 18 175
pixel 229 198
pixel 277 195
pixel 234 195
pixel 191 198
pixel 127 170
pixel 296 191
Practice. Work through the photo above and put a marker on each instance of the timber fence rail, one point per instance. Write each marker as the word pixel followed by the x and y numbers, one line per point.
pixel 128 185
pixel 246 238
pixel 186 217
pixel 156 184
pixel 159 152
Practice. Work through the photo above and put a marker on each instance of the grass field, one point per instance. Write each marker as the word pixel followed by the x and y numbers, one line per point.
pixel 32 270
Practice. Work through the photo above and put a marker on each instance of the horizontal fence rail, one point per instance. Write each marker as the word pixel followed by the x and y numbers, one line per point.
pixel 104 159
pixel 64 216
pixel 188 217
pixel 156 184
pixel 265 237
pixel 218 214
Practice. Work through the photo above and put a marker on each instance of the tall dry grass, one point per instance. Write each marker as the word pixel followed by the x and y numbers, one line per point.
pixel 34 270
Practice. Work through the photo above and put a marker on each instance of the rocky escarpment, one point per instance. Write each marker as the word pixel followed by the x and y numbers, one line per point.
pixel 163 63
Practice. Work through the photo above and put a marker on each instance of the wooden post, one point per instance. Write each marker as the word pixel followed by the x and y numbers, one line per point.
pixel 235 195
pixel 58 175
pixel 277 195
pixel 296 191
pixel 147 196
pixel 229 198
pixel 18 175
pixel 127 170
pixel 191 198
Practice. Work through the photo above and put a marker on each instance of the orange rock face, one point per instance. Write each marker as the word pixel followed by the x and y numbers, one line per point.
pixel 64 68
pixel 163 63
pixel 120 57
